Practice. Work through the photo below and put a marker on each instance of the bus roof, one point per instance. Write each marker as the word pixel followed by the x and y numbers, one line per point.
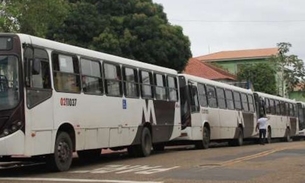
pixel 275 97
pixel 216 83
pixel 61 47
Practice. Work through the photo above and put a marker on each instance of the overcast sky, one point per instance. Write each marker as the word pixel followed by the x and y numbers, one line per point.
pixel 222 25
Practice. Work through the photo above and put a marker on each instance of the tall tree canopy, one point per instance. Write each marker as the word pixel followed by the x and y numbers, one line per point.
pixel 291 67
pixel 136 29
pixel 32 16
pixel 261 76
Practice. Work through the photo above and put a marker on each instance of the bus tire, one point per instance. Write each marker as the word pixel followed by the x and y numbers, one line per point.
pixel 205 142
pixel 240 138
pixel 89 155
pixel 61 160
pixel 269 135
pixel 287 135
pixel 239 141
pixel 144 149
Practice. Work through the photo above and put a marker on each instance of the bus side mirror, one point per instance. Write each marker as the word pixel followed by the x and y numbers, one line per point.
pixel 36 67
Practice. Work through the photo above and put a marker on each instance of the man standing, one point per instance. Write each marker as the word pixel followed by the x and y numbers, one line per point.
pixel 262 127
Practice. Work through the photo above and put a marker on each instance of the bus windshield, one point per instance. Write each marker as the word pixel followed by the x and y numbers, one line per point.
pixel 9 82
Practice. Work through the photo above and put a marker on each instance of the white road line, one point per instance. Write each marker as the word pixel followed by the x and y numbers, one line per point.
pixel 73 180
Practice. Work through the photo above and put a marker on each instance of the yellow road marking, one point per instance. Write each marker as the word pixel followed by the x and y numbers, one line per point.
pixel 253 156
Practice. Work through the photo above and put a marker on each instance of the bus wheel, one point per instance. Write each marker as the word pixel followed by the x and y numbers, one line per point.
pixel 144 149
pixel 287 135
pixel 205 142
pixel 269 136
pixel 61 160
pixel 92 154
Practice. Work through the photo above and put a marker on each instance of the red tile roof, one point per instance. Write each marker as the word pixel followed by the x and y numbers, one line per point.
pixel 200 69
pixel 239 54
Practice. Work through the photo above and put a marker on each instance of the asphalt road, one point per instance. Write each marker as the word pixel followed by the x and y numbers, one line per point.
pixel 279 162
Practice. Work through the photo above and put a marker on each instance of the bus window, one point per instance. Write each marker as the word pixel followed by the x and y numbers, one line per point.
pixel 212 97
pixel 131 86
pixel 221 98
pixel 251 103
pixel 146 84
pixel 66 73
pixel 113 85
pixel 91 77
pixel 282 107
pixel 172 88
pixel 272 106
pixel 160 89
pixel 202 95
pixel 3 84
pixel 194 98
pixel 229 99
pixel 237 100
pixel 9 82
pixel 277 107
pixel 262 109
pixel 244 100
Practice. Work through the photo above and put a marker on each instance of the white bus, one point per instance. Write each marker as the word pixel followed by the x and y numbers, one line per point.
pixel 283 122
pixel 301 118
pixel 215 111
pixel 56 99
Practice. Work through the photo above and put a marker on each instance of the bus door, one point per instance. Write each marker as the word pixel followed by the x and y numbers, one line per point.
pixel 39 110
pixel 196 120
pixel 301 117
pixel 184 103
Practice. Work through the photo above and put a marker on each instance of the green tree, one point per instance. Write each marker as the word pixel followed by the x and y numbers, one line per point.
pixel 291 67
pixel 136 29
pixel 32 16
pixel 260 75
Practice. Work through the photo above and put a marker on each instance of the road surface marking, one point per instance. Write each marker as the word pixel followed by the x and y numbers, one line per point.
pixel 73 180
pixel 120 169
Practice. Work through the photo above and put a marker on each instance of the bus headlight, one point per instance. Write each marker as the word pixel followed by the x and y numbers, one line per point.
pixel 16 125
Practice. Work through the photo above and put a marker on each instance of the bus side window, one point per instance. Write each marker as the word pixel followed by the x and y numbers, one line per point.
pixel 113 84
pixel 92 82
pixel 194 98
pixel 245 103
pixel 262 110
pixel 172 88
pixel 251 103
pixel 42 79
pixel 212 98
pixel 237 100
pixel 272 106
pixel 221 98
pixel 229 99
pixel 202 95
pixel 146 84
pixel 160 89
pixel 66 73
pixel 131 82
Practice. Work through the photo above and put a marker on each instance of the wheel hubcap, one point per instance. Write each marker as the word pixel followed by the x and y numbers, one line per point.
pixel 63 151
